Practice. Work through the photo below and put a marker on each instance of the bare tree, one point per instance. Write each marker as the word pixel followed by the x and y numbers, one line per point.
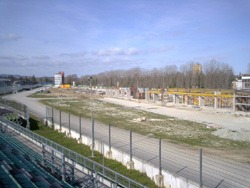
pixel 218 75
pixel 215 75
pixel 170 75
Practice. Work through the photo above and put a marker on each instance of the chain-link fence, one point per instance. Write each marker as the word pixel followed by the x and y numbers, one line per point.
pixel 99 170
pixel 198 166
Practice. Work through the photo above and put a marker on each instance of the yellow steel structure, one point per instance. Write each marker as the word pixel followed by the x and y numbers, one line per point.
pixel 222 98
pixel 65 86
pixel 193 92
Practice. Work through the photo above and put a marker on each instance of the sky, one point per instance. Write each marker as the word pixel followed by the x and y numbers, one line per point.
pixel 86 37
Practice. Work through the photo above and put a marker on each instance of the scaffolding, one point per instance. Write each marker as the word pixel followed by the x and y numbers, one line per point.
pixel 223 99
pixel 242 101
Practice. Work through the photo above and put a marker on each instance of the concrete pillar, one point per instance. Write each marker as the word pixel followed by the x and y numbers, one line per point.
pixel 176 99
pixel 128 94
pixel 234 101
pixel 159 180
pixel 117 93
pixel 109 154
pixel 155 97
pixel 122 92
pixel 201 101
pixel 147 97
pixel 186 100
pixel 215 102
pixel 130 165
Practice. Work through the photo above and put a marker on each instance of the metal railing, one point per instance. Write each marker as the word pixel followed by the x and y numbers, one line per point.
pixel 118 180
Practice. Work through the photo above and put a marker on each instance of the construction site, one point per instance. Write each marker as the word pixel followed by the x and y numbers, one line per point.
pixel 197 98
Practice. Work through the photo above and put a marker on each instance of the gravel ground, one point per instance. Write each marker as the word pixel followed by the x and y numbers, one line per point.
pixel 230 125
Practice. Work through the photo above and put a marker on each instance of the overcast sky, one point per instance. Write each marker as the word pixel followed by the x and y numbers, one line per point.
pixel 42 37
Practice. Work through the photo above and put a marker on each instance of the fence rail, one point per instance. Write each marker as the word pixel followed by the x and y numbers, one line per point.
pixel 197 167
pixel 117 179
pixel 211 172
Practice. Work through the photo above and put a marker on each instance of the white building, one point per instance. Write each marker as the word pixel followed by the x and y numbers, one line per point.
pixel 245 82
pixel 59 79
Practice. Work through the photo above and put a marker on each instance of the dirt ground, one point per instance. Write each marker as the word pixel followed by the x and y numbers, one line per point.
pixel 229 124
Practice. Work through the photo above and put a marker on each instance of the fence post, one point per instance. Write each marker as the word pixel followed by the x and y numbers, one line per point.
pixel 28 118
pixel 109 152
pixel 93 136
pixel 159 177
pixel 234 102
pixel 130 163
pixel 63 167
pixel 46 115
pixel 130 145
pixel 69 125
pixel 72 171
pixel 43 155
pixel 103 161
pixel 52 161
pixel 60 119
pixel 200 167
pixel 160 171
pixel 52 119
pixel 109 138
pixel 80 127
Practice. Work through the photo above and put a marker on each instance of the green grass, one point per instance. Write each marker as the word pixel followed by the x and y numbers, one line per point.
pixel 12 104
pixel 171 129
pixel 40 95
pixel 39 128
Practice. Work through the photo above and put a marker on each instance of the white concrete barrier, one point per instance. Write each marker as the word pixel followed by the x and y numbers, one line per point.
pixel 166 179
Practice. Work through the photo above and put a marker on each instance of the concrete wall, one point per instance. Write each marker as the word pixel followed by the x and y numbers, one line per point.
pixel 166 179
pixel 123 93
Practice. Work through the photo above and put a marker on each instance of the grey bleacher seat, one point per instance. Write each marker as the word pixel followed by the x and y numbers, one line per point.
pixel 19 167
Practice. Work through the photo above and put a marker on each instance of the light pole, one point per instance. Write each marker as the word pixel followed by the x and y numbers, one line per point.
pixel 92 119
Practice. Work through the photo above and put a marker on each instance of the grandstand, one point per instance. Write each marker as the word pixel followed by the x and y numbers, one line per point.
pixel 30 160
pixel 24 165
pixel 20 165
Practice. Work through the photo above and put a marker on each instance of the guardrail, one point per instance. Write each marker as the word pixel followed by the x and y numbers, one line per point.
pixel 18 108
pixel 11 89
pixel 117 180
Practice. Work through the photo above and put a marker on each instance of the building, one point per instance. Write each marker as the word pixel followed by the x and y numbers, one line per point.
pixel 197 69
pixel 244 83
pixel 59 79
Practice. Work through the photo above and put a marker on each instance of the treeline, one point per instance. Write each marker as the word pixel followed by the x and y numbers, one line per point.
pixel 214 75
pixel 27 79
